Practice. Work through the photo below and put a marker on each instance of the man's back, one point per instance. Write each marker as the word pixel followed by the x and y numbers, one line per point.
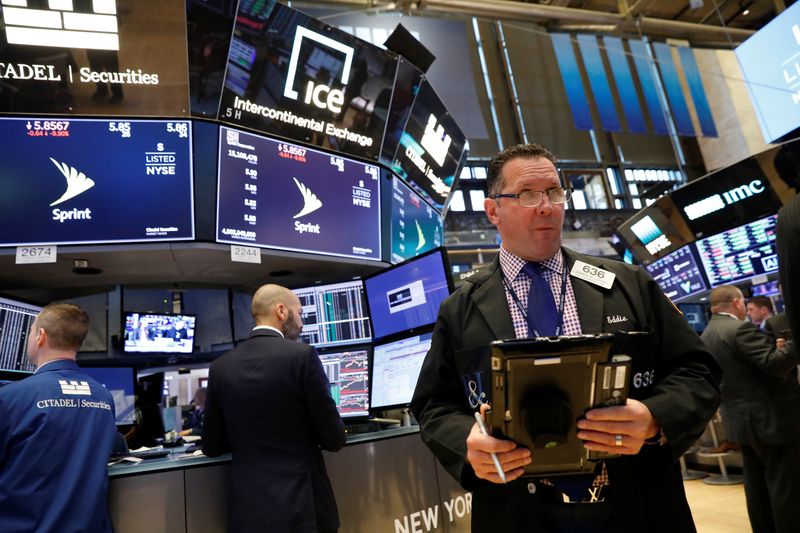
pixel 269 404
pixel 56 433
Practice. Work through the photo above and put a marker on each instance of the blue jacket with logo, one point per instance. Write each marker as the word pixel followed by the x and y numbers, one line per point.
pixel 56 432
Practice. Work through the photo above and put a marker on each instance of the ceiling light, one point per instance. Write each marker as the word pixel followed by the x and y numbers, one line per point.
pixel 746 11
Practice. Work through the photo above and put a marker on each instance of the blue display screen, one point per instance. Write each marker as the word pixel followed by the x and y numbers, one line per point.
pixel 119 382
pixel 416 226
pixel 740 253
pixel 770 62
pixel 94 181
pixel 678 274
pixel 408 295
pixel 279 195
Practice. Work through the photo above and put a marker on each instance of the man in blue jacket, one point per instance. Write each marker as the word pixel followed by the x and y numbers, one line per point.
pixel 56 432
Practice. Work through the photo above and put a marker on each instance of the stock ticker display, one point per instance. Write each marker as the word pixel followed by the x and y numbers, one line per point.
pixel 678 274
pixel 16 319
pixel 334 314
pixel 416 226
pixel 279 195
pixel 348 375
pixel 92 181
pixel 740 253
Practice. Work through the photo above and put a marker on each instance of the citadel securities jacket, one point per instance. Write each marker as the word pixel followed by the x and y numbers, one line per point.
pixel 761 397
pixel 56 433
pixel 673 374
pixel 269 403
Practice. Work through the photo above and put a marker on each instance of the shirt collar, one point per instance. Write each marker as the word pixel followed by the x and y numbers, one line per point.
pixel 63 363
pixel 279 332
pixel 728 314
pixel 512 264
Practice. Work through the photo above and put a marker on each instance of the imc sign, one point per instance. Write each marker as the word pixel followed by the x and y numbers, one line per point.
pixel 88 57
pixel 304 80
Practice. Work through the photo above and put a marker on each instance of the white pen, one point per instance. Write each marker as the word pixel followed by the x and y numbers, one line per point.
pixel 495 460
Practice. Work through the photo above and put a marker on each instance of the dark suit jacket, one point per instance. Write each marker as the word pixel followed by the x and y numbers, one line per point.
pixel 673 375
pixel 269 403
pixel 788 242
pixel 760 397
pixel 776 324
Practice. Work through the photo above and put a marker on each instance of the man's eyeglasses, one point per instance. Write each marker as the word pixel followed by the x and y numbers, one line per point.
pixel 526 198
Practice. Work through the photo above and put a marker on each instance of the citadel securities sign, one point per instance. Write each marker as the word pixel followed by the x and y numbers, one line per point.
pixel 89 62
pixel 307 81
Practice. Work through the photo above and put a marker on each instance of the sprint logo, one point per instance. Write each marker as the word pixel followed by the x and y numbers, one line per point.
pixel 310 204
pixel 77 182
pixel 80 388
pixel 61 26
pixel 421 237
pixel 435 141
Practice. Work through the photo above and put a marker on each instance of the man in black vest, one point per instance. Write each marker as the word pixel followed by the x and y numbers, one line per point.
pixel 269 404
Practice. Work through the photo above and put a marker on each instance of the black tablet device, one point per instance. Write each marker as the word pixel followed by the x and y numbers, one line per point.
pixel 541 387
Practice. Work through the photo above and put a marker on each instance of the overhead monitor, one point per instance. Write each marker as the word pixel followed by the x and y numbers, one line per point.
pixel 291 75
pixel 406 86
pixel 79 181
pixel 120 383
pixel 395 369
pixel 678 274
pixel 430 149
pixel 770 288
pixel 741 253
pixel 727 198
pixel 348 375
pixel 416 226
pixel 279 195
pixel 770 63
pixel 655 231
pixel 16 319
pixel 406 296
pixel 334 315
pixel 159 333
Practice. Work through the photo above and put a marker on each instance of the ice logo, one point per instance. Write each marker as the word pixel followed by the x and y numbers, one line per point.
pixel 77 182
pixel 435 141
pixel 310 201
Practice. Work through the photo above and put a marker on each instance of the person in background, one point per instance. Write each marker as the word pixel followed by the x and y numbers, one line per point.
pixel 269 404
pixel 56 434
pixel 759 309
pixel 196 414
pixel 760 411
pixel 531 290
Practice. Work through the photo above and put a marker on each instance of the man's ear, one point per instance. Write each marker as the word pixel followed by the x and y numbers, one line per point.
pixel 41 337
pixel 490 206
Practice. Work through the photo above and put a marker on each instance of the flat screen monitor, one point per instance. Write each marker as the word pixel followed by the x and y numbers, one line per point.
pixel 395 369
pixel 678 274
pixel 120 383
pixel 430 149
pixel 159 333
pixel 770 63
pixel 770 288
pixel 83 181
pixel 348 375
pixel 406 86
pixel 695 315
pixel 407 296
pixel 655 231
pixel 334 315
pixel 416 226
pixel 741 253
pixel 16 319
pixel 727 198
pixel 291 75
pixel 279 195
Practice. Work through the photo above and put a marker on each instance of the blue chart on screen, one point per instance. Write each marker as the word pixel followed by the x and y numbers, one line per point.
pixel 740 253
pixel 678 274
pixel 84 181
pixel 407 296
pixel 416 226
pixel 119 382
pixel 395 369
pixel 279 195
pixel 770 62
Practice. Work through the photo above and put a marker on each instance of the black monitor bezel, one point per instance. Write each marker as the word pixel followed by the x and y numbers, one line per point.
pixel 368 347
pixel 125 315
pixel 384 342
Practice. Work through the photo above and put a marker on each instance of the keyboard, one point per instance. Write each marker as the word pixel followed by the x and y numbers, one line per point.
pixel 149 454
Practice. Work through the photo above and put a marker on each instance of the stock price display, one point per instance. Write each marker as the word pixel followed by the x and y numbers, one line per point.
pixel 678 274
pixel 740 253
pixel 348 377
pixel 279 195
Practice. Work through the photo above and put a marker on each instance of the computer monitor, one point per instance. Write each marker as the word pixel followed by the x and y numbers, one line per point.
pixel 678 274
pixel 159 333
pixel 149 403
pixel 395 369
pixel 10 376
pixel 348 374
pixel 334 315
pixel 407 296
pixel 119 382
pixel 16 319
pixel 416 226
